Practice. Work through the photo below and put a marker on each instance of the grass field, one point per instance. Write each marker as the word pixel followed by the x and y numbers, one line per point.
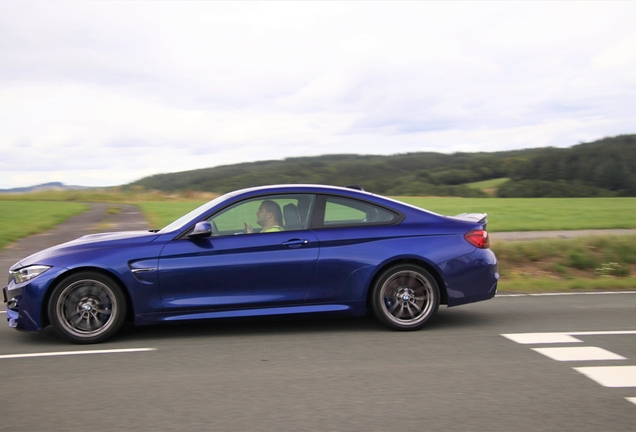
pixel 488 184
pixel 490 187
pixel 538 214
pixel 539 284
pixel 23 218
pixel 590 263
pixel 510 214
pixel 109 195
pixel 504 214
pixel 161 214
pixel 585 263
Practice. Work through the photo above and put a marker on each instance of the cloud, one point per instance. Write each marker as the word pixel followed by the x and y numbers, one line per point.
pixel 103 93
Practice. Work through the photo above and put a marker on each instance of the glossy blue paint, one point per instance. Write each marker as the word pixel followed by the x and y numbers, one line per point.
pixel 168 276
pixel 236 271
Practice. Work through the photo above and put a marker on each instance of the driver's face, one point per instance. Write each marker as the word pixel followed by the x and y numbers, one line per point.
pixel 261 216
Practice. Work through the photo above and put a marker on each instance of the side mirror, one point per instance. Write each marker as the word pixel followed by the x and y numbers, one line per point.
pixel 201 229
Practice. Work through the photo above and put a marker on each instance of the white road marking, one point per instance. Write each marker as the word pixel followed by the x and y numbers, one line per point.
pixel 69 353
pixel 560 337
pixel 541 338
pixel 607 376
pixel 602 333
pixel 611 376
pixel 565 294
pixel 578 354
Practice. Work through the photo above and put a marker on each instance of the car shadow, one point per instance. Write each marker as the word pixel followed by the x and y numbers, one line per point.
pixel 293 325
pixel 444 320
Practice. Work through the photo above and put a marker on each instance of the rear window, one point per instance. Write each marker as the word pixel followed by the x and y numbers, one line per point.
pixel 344 211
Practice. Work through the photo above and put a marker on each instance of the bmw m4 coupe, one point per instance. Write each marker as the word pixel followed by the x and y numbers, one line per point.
pixel 273 250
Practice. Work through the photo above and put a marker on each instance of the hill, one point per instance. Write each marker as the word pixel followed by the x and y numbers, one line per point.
pixel 601 168
pixel 53 186
pixel 403 174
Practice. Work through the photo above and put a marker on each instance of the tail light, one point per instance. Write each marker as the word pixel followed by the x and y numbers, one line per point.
pixel 478 238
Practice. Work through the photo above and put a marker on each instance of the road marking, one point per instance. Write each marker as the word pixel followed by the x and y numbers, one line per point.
pixel 602 333
pixel 566 294
pixel 607 376
pixel 578 354
pixel 560 337
pixel 541 338
pixel 611 376
pixel 69 353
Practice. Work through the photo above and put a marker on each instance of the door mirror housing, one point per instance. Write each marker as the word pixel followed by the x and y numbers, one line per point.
pixel 201 230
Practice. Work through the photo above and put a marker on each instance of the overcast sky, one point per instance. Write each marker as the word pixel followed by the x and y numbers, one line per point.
pixel 105 93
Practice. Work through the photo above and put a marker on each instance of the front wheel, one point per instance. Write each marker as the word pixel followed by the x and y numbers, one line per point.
pixel 405 297
pixel 87 308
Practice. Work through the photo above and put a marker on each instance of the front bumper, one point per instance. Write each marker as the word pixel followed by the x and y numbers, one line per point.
pixel 12 300
pixel 25 301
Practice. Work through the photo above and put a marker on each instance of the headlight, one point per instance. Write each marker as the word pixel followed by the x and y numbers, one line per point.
pixel 27 273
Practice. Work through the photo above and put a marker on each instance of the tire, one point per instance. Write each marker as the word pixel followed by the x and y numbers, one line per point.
pixel 87 308
pixel 405 297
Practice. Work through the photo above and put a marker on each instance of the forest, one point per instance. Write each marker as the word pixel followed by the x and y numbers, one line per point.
pixel 606 167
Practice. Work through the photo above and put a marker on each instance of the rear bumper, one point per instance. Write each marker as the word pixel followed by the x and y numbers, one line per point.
pixel 471 278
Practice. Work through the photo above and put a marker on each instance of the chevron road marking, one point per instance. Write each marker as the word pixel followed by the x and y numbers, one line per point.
pixel 607 376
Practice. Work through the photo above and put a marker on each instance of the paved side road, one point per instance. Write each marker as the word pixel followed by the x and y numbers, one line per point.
pixel 533 235
pixel 97 219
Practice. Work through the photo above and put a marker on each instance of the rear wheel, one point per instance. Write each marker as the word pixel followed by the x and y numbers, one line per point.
pixel 87 308
pixel 405 297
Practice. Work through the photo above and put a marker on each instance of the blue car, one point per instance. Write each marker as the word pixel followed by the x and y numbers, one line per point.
pixel 290 249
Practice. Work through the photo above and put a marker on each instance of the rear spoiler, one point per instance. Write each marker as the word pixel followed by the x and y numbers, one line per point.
pixel 473 217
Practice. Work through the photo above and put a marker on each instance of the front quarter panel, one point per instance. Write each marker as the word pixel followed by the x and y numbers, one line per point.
pixel 120 261
pixel 117 260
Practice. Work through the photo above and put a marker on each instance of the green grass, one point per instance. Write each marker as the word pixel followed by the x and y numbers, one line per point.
pixel 584 263
pixel 538 214
pixel 546 285
pixel 23 218
pixel 488 184
pixel 590 263
pixel 582 253
pixel 161 214
pixel 109 195
pixel 509 214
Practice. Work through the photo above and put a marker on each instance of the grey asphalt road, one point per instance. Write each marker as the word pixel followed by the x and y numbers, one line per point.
pixel 459 374
pixel 297 374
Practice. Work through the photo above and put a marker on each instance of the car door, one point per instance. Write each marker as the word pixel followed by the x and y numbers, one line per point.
pixel 351 234
pixel 232 269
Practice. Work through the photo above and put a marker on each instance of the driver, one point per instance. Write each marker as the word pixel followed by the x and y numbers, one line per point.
pixel 269 216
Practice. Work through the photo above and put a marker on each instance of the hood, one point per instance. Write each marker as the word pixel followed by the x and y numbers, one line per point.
pixel 90 242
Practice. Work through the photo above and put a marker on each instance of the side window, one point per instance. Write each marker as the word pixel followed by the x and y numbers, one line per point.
pixel 343 211
pixel 264 214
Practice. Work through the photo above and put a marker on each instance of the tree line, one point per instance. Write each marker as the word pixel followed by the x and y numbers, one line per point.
pixel 602 168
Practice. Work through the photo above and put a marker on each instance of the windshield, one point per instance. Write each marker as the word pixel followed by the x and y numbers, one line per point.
pixel 199 211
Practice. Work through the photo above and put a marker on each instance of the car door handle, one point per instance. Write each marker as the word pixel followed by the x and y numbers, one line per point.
pixel 296 243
